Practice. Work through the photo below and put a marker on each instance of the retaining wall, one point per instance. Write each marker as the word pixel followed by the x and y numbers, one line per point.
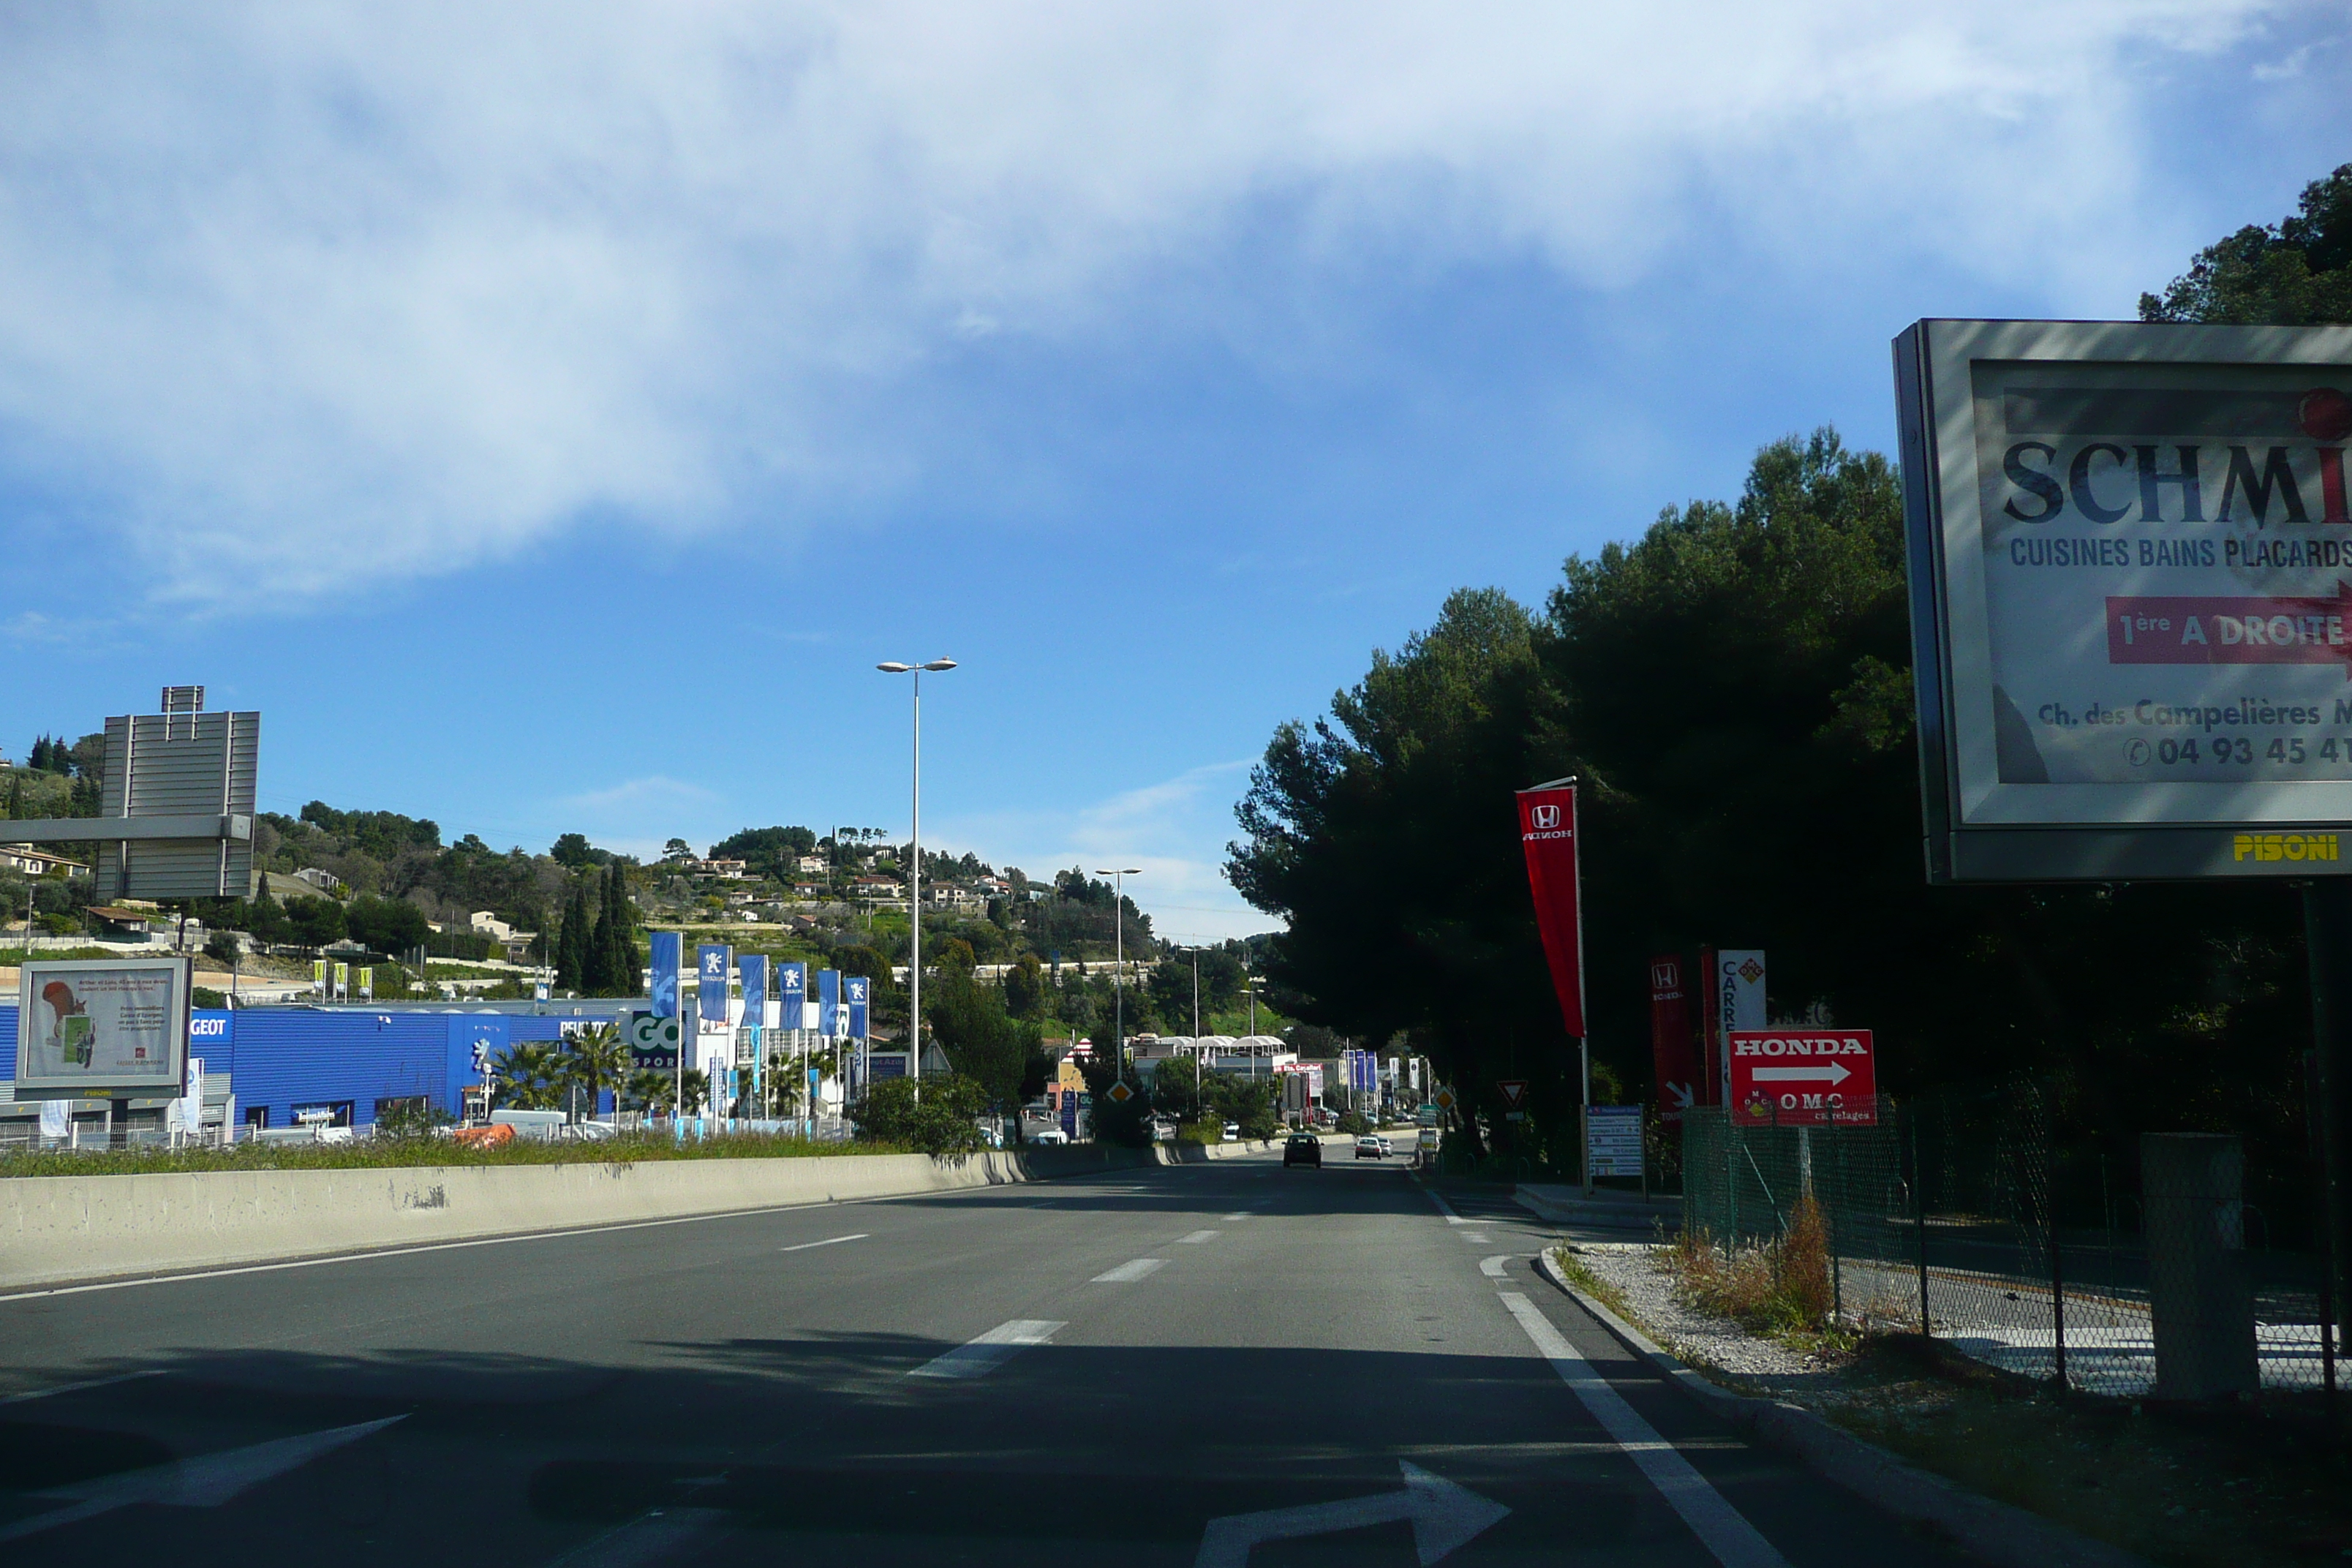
pixel 61 1229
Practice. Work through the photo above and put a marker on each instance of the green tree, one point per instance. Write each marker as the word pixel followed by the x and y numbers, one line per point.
pixel 2294 272
pixel 386 925
pixel 314 922
pixel 572 943
pixel 1025 988
pixel 942 1120
pixel 595 1059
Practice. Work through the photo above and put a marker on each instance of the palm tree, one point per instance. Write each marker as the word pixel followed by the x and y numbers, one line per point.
pixel 527 1072
pixel 592 1058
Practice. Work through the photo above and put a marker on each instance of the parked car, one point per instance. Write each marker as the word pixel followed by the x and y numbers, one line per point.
pixel 1049 1135
pixel 1371 1148
pixel 1302 1149
pixel 1232 1130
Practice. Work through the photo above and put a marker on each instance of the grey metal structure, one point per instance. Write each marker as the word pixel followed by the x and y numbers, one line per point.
pixel 175 812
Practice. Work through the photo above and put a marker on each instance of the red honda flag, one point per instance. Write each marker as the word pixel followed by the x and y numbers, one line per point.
pixel 1673 1052
pixel 1548 834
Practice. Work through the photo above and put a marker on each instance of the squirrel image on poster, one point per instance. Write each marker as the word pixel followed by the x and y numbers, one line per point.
pixel 75 1032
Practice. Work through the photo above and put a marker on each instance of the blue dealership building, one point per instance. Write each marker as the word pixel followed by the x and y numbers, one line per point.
pixel 353 1062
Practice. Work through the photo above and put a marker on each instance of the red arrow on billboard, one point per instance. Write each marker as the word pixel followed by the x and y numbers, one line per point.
pixel 1514 1091
pixel 2230 629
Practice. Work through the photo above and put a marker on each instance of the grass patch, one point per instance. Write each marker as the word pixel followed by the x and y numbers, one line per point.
pixel 2262 1485
pixel 394 1153
pixel 1572 1269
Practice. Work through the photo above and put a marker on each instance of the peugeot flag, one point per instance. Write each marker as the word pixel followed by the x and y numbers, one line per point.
pixel 753 967
pixel 710 976
pixel 791 992
pixel 828 1003
pixel 665 945
pixel 858 987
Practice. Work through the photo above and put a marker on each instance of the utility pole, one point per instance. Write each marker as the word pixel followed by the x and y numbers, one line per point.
pixel 915 882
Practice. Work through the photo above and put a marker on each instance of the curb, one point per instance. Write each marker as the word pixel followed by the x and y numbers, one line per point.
pixel 1998 1532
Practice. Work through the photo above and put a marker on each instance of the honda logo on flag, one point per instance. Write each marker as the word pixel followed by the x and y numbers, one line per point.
pixel 1547 816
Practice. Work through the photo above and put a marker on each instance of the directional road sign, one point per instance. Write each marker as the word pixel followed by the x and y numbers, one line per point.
pixel 1802 1078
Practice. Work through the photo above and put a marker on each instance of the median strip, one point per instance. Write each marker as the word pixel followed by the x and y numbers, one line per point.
pixel 990 1350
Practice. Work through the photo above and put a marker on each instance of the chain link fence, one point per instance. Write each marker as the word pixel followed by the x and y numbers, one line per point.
pixel 2134 1268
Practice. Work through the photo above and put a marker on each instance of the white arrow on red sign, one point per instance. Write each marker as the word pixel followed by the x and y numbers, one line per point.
pixel 1833 1073
pixel 1798 1077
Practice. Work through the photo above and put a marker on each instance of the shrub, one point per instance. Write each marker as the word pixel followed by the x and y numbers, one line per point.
pixel 1781 1287
pixel 944 1119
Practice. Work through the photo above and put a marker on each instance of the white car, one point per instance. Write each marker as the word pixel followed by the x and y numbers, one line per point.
pixel 1049 1135
pixel 1371 1148
pixel 1232 1130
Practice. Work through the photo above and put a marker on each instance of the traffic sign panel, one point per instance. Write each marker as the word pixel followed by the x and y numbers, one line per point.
pixel 1802 1078
pixel 1514 1091
pixel 1442 1100
pixel 1119 1093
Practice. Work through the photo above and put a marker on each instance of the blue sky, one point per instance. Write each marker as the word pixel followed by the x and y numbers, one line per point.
pixel 547 420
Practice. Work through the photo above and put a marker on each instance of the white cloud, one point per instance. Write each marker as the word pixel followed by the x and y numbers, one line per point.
pixel 296 297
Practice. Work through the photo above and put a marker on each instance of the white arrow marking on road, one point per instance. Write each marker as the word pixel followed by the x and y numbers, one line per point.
pixel 205 1482
pixel 1833 1073
pixel 1444 1516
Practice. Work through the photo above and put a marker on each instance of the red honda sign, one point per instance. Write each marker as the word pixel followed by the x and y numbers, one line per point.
pixel 1548 834
pixel 1672 1053
pixel 1802 1078
pixel 1514 1091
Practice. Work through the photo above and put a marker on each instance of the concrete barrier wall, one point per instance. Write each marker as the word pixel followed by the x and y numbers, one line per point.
pixel 60 1229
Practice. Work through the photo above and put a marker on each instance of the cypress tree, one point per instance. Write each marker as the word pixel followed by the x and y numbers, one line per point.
pixel 572 943
pixel 624 939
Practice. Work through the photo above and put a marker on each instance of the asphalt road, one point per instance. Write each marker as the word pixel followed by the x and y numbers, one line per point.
pixel 1327 1362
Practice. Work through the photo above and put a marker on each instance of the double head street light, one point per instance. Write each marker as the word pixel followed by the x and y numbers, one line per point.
pixel 915 877
pixel 1119 967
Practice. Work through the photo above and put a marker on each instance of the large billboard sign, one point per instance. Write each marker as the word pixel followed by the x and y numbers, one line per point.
pixel 101 1028
pixel 2131 598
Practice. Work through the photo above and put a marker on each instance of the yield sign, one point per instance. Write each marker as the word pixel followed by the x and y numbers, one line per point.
pixel 1514 1091
pixel 1803 1077
pixel 1444 1516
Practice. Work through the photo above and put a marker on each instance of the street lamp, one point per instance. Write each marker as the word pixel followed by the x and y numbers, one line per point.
pixel 915 879
pixel 1119 968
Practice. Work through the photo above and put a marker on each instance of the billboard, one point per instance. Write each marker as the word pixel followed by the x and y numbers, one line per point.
pixel 101 1027
pixel 1547 835
pixel 1795 1077
pixel 2131 596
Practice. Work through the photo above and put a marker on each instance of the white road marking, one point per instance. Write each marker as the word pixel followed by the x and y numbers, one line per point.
pixel 828 1241
pixel 207 1481
pixel 1444 1516
pixel 1721 1528
pixel 1126 1272
pixel 1243 1215
pixel 1444 1208
pixel 1476 1238
pixel 1198 1237
pixel 991 1350
pixel 75 1388
pixel 647 1539
pixel 1493 1267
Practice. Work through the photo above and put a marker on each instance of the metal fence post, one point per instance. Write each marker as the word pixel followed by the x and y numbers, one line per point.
pixel 2323 1226
pixel 1920 1217
pixel 2050 1218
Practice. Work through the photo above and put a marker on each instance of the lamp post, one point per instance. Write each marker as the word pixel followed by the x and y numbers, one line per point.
pixel 915 879
pixel 1119 968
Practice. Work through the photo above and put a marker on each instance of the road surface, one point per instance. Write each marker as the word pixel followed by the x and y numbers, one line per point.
pixel 1209 1364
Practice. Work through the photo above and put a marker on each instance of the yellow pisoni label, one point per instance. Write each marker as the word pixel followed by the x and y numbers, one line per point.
pixel 2285 846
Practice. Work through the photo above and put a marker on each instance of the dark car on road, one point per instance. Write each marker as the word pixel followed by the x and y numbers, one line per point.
pixel 1303 1149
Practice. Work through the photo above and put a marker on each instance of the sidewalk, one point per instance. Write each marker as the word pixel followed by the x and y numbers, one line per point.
pixel 1564 1205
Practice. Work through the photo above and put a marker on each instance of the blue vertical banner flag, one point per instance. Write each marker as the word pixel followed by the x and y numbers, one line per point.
pixel 860 990
pixel 753 967
pixel 791 990
pixel 666 947
pixel 711 979
pixel 828 1003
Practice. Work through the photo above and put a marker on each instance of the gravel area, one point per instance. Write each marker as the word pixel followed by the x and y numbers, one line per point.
pixel 1728 1353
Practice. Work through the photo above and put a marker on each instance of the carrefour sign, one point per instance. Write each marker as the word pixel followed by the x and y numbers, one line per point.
pixel 2130 555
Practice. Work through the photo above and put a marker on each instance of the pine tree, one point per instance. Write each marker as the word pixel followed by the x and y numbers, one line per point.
pixel 571 941
pixel 596 966
pixel 615 937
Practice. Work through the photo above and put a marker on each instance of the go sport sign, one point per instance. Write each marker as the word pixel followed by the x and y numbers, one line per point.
pixel 2130 554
